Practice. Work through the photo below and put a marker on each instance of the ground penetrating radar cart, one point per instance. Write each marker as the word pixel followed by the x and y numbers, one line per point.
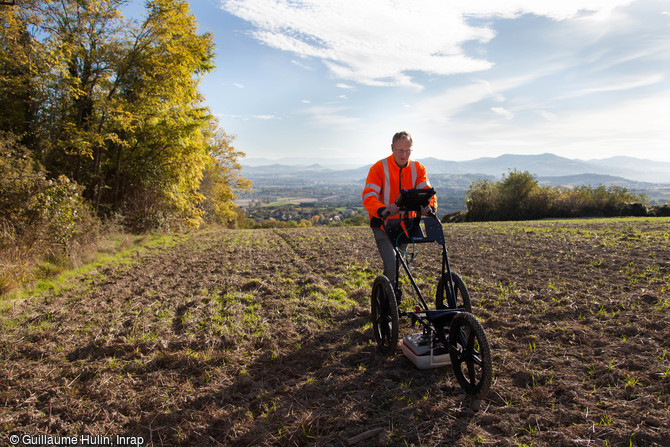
pixel 450 333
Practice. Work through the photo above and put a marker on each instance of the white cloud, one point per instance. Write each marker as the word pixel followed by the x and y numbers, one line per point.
pixel 301 65
pixel 330 116
pixel 250 117
pixel 441 108
pixel 548 115
pixel 380 42
pixel 503 112
pixel 636 127
pixel 238 85
pixel 345 86
pixel 622 85
pixel 641 116
pixel 562 10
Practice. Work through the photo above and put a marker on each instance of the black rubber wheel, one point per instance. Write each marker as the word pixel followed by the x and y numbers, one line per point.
pixel 462 294
pixel 384 313
pixel 470 354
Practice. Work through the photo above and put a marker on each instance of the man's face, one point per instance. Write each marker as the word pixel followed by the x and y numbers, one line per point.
pixel 401 151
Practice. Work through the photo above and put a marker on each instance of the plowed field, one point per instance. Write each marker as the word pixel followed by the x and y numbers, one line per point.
pixel 244 338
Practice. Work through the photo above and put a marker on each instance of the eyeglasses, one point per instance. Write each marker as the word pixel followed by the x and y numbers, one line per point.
pixel 403 152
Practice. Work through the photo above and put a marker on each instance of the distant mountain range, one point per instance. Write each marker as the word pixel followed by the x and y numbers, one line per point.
pixel 615 170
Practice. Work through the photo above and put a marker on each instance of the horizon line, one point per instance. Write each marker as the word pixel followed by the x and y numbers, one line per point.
pixel 344 161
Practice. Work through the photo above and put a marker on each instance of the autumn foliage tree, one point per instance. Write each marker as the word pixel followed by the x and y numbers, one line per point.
pixel 114 104
pixel 102 115
pixel 221 178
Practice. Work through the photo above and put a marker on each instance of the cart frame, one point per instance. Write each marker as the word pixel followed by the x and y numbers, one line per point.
pixel 450 326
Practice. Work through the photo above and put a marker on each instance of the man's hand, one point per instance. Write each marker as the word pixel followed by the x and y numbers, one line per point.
pixel 426 210
pixel 390 210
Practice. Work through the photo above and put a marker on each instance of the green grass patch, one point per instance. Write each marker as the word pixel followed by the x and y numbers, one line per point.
pixel 54 274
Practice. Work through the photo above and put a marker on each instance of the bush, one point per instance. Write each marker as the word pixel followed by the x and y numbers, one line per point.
pixel 660 211
pixel 513 193
pixel 40 218
pixel 456 216
pixel 480 201
pixel 147 210
pixel 60 215
pixel 355 221
pixel 519 197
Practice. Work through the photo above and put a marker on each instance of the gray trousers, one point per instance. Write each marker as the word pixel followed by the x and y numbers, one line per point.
pixel 386 252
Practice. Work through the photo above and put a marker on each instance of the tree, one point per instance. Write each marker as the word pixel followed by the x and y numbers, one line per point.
pixel 19 66
pixel 119 109
pixel 80 42
pixel 514 197
pixel 164 149
pixel 513 193
pixel 481 200
pixel 222 178
pixel 115 106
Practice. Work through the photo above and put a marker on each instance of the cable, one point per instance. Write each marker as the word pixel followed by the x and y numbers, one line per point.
pixel 407 253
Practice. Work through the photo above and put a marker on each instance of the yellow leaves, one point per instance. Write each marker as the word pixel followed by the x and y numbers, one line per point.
pixel 122 110
pixel 222 176
pixel 176 42
pixel 74 141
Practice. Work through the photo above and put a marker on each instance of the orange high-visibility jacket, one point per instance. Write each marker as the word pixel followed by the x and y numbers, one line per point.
pixel 384 182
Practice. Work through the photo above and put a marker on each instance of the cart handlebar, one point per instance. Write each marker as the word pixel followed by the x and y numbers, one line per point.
pixel 412 201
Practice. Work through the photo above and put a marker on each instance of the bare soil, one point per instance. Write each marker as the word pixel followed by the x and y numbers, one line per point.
pixel 244 338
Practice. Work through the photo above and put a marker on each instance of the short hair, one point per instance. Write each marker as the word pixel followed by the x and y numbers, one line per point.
pixel 404 135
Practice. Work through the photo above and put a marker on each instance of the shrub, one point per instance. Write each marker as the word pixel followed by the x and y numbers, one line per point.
pixel 516 197
pixel 513 192
pixel 660 211
pixel 519 197
pixel 146 210
pixel 480 201
pixel 39 218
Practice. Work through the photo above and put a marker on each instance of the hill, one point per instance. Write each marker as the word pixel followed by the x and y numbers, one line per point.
pixel 544 165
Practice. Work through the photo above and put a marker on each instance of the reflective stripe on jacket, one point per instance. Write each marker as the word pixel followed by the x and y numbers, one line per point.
pixel 384 181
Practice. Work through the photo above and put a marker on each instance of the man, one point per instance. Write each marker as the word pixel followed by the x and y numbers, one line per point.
pixel 382 187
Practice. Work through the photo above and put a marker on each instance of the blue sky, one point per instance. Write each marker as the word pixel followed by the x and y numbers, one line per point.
pixel 334 79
